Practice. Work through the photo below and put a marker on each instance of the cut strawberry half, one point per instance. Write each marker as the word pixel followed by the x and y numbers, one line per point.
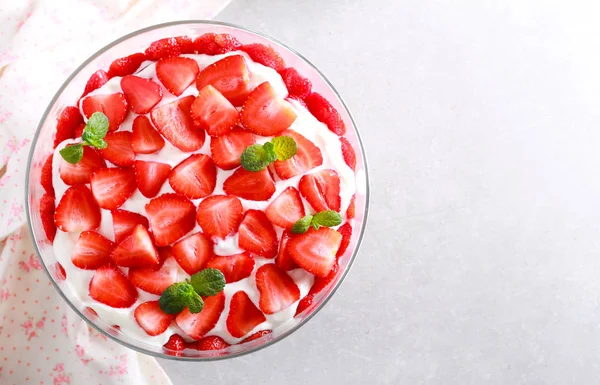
pixel 46 178
pixel 112 186
pixel 192 253
pixel 125 221
pixel 152 319
pixel 114 106
pixel 322 190
pixel 58 272
pixel 324 112
pixel 144 138
pixel 195 177
pixel 229 76
pixel 265 113
pixel 141 94
pixel 255 336
pixel 348 153
pixel 277 289
pixel 253 186
pixel 296 84
pixel 214 44
pixel 319 284
pixel 77 210
pixel 211 343
pixel 177 73
pixel 112 288
pixel 118 150
pixel 346 231
pixel 226 150
pixel 126 65
pixel 315 250
pixel 284 259
pixel 79 130
pixel 150 177
pixel 286 209
pixel 257 235
pixel 186 44
pixel 47 216
pixel 243 315
pixel 351 211
pixel 155 280
pixel 136 250
pixel 174 345
pixel 213 113
pixel 234 267
pixel 197 325
pixel 66 124
pixel 91 251
pixel 264 55
pixel 81 172
pixel 174 122
pixel 219 215
pixel 164 48
pixel 171 217
pixel 97 80
pixel 308 156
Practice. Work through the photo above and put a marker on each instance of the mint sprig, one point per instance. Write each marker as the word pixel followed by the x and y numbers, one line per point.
pixel 208 282
pixel 257 157
pixel 180 295
pixel 93 135
pixel 327 218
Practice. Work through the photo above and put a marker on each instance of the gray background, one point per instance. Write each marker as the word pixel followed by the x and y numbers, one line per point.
pixel 481 259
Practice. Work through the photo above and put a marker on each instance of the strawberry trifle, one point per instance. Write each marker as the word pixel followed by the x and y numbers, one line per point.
pixel 200 193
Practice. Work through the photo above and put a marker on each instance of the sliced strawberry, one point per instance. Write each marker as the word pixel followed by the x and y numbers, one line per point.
pixel 346 231
pixel 227 149
pixel 46 178
pixel 171 217
pixel 141 94
pixel 197 325
pixel 112 288
pixel 321 189
pixel 286 209
pixel 192 253
pixel 315 250
pixel 213 113
pixel 243 315
pixel 150 177
pixel 66 124
pixel 152 319
pixel 175 343
pixel 47 216
pixel 308 157
pixel 112 186
pixel 351 211
pixel 58 272
pixel 277 289
pixel 126 65
pixel 118 150
pixel 155 280
pixel 177 73
pixel 324 112
pixel 257 235
pixel 234 267
pixel 81 172
pixel 284 259
pixel 144 138
pixel 219 215
pixel 77 210
pixel 211 343
pixel 114 106
pixel 253 186
pixel 265 55
pixel 163 48
pixel 195 177
pixel 348 153
pixel 91 251
pixel 255 336
pixel 214 44
pixel 125 221
pixel 229 76
pixel 265 113
pixel 97 80
pixel 79 130
pixel 296 84
pixel 136 250
pixel 174 122
pixel 319 284
pixel 226 43
pixel 186 44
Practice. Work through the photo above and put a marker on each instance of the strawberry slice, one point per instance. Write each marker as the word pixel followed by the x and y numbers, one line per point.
pixel 112 288
pixel 277 289
pixel 174 122
pixel 265 55
pixel 243 315
pixel 46 178
pixel 234 267
pixel 229 76
pixel 112 186
pixel 164 48
pixel 118 150
pixel 322 190
pixel 155 280
pixel 257 235
pixel 192 253
pixel 351 211
pixel 324 112
pixel 177 73
pixel 77 210
pixel 152 319
pixel 47 216
pixel 126 65
pixel 227 149
pixel 136 250
pixel 297 85
pixel 266 114
pixel 213 113
pixel 255 336
pixel 219 215
pixel 211 343
pixel 114 106
pixel 348 153
pixel 286 209
pixel 186 44
pixel 141 94
pixel 308 157
pixel 215 44
pixel 58 272
pixel 66 124
pixel 319 284
pixel 284 259
pixel 171 217
pixel 97 80
pixel 175 345
pixel 346 231
pixel 150 177
pixel 144 138
pixel 81 172
pixel 253 186
pixel 91 251
pixel 79 130
pixel 197 325
pixel 195 177
pixel 315 250
pixel 125 221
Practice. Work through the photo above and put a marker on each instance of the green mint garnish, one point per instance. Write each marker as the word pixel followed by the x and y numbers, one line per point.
pixel 180 295
pixel 93 135
pixel 254 158
pixel 257 157
pixel 327 218
pixel 208 282
pixel 284 147
pixel 72 153
pixel 301 226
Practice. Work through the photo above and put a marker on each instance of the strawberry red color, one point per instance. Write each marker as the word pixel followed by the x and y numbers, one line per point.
pixel 77 210
pixel 47 216
pixel 319 284
pixel 151 318
pixel 264 55
pixel 197 325
pixel 321 189
pixel 257 235
pixel 141 94
pixel 315 250
pixel 174 122
pixel 234 267
pixel 177 73
pixel 227 149
pixel 150 176
pixel 255 336
pixel 171 217
pixel 286 209
pixel 136 250
pixel 284 261
pixel 81 172
pixel 296 84
pixel 126 65
pixel 91 251
pixel 155 280
pixel 111 287
pixel 125 221
pixel 324 112
pixel 348 153
pixel 46 178
pixel 164 48
pixel 195 177
pixel 308 156
pixel 114 106
pixel 229 76
pixel 214 44
pixel 243 315
pixel 213 113
pixel 211 343
pixel 264 113
pixel 112 186
pixel 118 150
pixel 192 253
pixel 66 124
pixel 219 215
pixel 346 231
pixel 254 186
pixel 144 138
pixel 277 289
pixel 351 211
pixel 174 345
pixel 97 80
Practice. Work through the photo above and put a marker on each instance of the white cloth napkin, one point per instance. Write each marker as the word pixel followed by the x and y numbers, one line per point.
pixel 42 341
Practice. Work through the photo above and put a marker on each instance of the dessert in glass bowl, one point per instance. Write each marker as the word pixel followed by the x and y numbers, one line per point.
pixel 196 190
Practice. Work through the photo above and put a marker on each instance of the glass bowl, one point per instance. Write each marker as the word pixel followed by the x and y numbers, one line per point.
pixel 69 93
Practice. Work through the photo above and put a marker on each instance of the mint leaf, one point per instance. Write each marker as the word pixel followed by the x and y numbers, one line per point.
pixel 254 158
pixel 72 153
pixel 301 226
pixel 208 282
pixel 284 147
pixel 195 303
pixel 257 157
pixel 176 297
pixel 95 130
pixel 269 152
pixel 327 218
